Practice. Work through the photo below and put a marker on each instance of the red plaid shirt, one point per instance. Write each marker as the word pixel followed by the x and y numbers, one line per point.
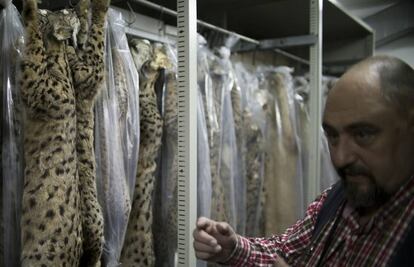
pixel 352 244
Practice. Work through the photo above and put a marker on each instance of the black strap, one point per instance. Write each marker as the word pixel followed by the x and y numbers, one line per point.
pixel 404 252
pixel 336 196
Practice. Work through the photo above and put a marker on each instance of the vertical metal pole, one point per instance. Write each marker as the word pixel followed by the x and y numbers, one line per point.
pixel 187 130
pixel 371 44
pixel 315 99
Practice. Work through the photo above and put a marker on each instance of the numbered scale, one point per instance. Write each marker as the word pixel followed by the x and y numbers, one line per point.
pixel 187 130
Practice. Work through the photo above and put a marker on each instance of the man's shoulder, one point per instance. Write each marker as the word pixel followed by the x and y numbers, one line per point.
pixel 333 198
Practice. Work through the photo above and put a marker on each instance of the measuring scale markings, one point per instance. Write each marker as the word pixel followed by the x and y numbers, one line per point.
pixel 187 130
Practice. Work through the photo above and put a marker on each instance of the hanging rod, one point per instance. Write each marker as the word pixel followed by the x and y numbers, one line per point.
pixel 171 12
pixel 200 22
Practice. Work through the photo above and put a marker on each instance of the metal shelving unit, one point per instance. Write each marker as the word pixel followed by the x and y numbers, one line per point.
pixel 315 99
pixel 187 129
pixel 186 32
pixel 309 36
pixel 187 190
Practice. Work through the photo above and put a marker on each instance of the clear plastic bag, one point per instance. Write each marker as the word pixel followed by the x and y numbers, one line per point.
pixel 205 120
pixel 203 163
pixel 252 148
pixel 284 196
pixel 11 39
pixel 240 137
pixel 301 89
pixel 129 115
pixel 117 138
pixel 225 159
pixel 5 3
pixel 165 195
pixel 205 58
pixel 328 173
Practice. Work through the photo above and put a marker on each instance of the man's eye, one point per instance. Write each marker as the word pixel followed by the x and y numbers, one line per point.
pixel 364 136
pixel 332 137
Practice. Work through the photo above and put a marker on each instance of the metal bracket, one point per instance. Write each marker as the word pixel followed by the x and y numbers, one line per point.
pixel 270 44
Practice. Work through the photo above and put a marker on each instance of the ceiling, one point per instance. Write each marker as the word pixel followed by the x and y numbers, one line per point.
pixel 365 8
pixel 344 21
pixel 391 20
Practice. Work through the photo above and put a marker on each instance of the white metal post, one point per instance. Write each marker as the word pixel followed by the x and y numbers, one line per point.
pixel 315 99
pixel 187 130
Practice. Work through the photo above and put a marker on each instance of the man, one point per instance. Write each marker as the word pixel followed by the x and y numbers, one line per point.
pixel 365 219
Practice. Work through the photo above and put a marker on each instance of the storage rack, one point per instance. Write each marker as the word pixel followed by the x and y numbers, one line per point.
pixel 187 176
pixel 186 33
pixel 187 166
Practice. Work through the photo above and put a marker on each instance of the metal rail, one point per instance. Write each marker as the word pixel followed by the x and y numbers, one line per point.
pixel 218 29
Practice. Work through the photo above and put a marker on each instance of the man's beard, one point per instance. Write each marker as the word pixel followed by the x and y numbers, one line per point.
pixel 362 196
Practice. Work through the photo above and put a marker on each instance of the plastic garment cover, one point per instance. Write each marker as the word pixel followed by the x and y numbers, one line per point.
pixel 4 3
pixel 227 155
pixel 116 138
pixel 203 163
pixel 240 179
pixel 252 150
pixel 328 173
pixel 240 134
pixel 301 88
pixel 165 195
pixel 215 83
pixel 283 181
pixel 139 243
pixel 11 38
pixel 206 121
pixel 205 58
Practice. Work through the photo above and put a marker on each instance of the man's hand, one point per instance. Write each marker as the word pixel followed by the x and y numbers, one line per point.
pixel 213 241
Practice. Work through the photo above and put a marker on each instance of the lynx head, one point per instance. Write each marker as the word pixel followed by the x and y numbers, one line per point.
pixel 62 24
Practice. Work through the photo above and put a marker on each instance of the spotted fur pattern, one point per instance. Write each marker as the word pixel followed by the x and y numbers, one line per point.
pixel 121 87
pixel 82 10
pixel 116 196
pixel 240 183
pixel 138 247
pixel 254 174
pixel 165 225
pixel 50 224
pixel 220 209
pixel 211 105
pixel 87 65
pixel 141 51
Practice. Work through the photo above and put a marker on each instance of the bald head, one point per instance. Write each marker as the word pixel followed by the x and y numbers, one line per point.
pixel 393 77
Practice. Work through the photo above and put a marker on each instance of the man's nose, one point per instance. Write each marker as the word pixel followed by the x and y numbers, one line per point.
pixel 343 152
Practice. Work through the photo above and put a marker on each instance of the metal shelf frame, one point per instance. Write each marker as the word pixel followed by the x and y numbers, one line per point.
pixel 315 100
pixel 187 130
pixel 187 192
pixel 186 37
